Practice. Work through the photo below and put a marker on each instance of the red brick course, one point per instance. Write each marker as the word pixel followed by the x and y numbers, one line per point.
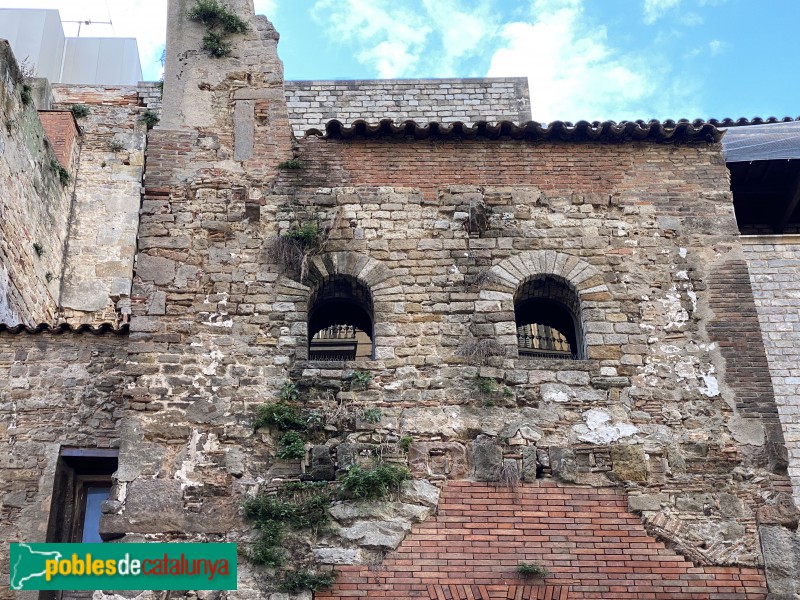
pixel 61 130
pixel 585 537
pixel 600 169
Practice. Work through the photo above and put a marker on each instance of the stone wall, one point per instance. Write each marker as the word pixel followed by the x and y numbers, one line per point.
pixel 105 215
pixel 34 205
pixel 313 103
pixel 667 414
pixel 774 263
pixel 56 390
pixel 220 327
pixel 441 232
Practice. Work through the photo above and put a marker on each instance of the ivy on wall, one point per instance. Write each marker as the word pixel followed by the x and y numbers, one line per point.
pixel 220 24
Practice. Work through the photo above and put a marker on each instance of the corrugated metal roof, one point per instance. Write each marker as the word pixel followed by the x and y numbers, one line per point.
pixel 680 132
pixel 64 328
pixel 776 141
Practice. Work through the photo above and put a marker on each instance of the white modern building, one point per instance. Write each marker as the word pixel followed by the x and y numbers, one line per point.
pixel 37 39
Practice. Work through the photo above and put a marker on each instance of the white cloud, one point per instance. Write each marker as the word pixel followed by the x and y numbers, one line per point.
pixel 716 47
pixel 266 7
pixel 573 71
pixel 391 37
pixel 463 32
pixel 655 9
pixel 428 38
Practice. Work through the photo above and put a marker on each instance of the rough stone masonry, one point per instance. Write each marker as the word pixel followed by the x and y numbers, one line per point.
pixel 653 464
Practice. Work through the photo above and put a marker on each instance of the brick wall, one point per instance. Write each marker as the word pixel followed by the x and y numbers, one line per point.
pixel 774 264
pixel 314 103
pixel 62 131
pixel 585 537
pixel 598 170
pixel 735 327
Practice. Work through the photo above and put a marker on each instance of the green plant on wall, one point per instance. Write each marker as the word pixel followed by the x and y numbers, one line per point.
pixel 220 24
pixel 289 392
pixel 295 506
pixel 63 174
pixel 296 581
pixel 292 163
pixel 292 249
pixel 304 236
pixel 150 118
pixel 491 392
pixel 360 379
pixel 291 446
pixel 371 415
pixel 531 570
pixel 375 483
pixel 80 110
pixel 485 385
pixel 280 415
pixel 26 94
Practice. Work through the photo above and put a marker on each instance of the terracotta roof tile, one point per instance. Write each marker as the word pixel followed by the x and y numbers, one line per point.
pixel 680 132
pixel 64 328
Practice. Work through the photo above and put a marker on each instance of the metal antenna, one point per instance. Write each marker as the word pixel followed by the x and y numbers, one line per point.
pixel 88 22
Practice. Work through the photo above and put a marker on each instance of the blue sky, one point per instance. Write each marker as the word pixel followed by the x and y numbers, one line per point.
pixel 585 59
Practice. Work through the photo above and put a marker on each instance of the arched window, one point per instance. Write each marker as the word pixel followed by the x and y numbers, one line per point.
pixel 340 323
pixel 547 314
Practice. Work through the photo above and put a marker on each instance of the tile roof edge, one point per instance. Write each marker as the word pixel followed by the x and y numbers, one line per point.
pixel 680 132
pixel 64 328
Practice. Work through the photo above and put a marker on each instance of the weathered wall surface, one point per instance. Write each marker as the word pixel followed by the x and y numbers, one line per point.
pixel 55 390
pixel 105 215
pixel 34 206
pixel 774 263
pixel 669 402
pixel 313 103
pixel 219 327
pixel 442 232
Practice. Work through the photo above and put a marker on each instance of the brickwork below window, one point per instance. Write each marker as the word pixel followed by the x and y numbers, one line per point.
pixel 585 537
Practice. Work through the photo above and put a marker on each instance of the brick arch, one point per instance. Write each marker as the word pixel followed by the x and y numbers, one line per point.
pixel 586 537
pixel 512 273
pixel 375 277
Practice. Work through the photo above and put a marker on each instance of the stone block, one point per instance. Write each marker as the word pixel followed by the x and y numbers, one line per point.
pixel 322 467
pixel 642 502
pixel 375 534
pixel 563 464
pixel 781 548
pixel 155 269
pixel 530 463
pixel 438 459
pixel 487 460
pixel 629 463
pixel 782 511
pixel 420 491
pixel 337 556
